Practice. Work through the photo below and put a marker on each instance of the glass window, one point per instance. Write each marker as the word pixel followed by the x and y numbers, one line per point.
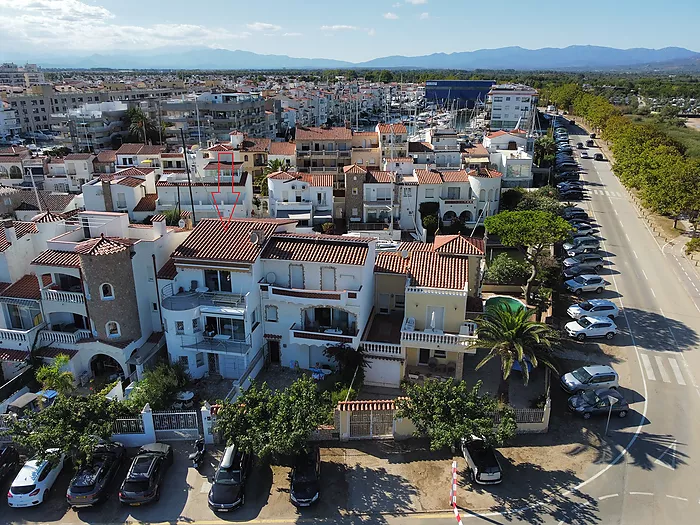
pixel 179 327
pixel 199 359
pixel 112 328
pixel 195 324
pixel 184 360
pixel 217 280
pixel 271 313
pixel 429 193
pixel 407 192
pixel 107 291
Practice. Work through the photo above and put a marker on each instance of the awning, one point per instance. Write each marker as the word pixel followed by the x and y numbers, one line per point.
pixel 300 216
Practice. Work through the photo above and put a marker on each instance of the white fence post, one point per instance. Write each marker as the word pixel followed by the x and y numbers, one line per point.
pixel 208 424
pixel 148 427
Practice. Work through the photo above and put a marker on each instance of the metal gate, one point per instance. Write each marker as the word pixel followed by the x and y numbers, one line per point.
pixel 372 424
pixel 177 425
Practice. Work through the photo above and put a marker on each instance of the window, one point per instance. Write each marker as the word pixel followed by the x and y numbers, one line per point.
pixel 184 361
pixel 429 194
pixel 271 314
pixel 440 354
pixel 154 306
pixel 453 192
pixel 112 329
pixel 195 324
pixel 245 158
pixel 507 99
pixel 354 191
pixel 407 192
pixel 107 292
pixel 179 327
pixel 217 280
pixel 199 359
pixel 354 212
pixel 121 200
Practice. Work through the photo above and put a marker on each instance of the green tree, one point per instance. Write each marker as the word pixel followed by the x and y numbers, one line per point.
pixel 545 150
pixel 430 223
pixel 273 166
pixel 172 216
pixel 328 228
pixel 531 232
pixel 73 424
pixel 140 125
pixel 351 363
pixel 504 269
pixel 158 387
pixel 55 377
pixel 447 411
pixel 511 336
pixel 510 198
pixel 542 199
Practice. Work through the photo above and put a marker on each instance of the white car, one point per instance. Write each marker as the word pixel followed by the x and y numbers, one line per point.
pixel 584 155
pixel 591 327
pixel 35 479
pixel 586 283
pixel 593 308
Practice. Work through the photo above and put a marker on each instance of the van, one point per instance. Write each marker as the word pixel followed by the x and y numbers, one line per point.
pixel 589 378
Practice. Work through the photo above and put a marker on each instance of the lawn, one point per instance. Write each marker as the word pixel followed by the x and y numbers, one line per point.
pixel 689 137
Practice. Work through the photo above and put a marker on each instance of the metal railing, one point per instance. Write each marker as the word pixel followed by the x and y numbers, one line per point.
pixel 176 420
pixel 132 425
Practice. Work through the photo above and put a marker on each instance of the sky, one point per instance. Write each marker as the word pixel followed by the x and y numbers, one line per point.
pixel 353 30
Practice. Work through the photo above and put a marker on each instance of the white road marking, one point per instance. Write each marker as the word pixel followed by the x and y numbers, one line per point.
pixel 676 371
pixel 641 493
pixel 608 497
pixel 628 237
pixel 635 254
pixel 645 275
pixel 676 497
pixel 647 367
pixel 652 292
pixel 664 375
pixel 615 212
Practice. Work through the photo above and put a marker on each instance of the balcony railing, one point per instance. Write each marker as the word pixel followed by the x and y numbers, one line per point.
pixel 217 343
pixel 383 349
pixel 434 338
pixel 436 291
pixel 11 339
pixel 368 226
pixel 50 336
pixel 308 334
pixel 450 200
pixel 61 296
pixel 187 300
pixel 310 297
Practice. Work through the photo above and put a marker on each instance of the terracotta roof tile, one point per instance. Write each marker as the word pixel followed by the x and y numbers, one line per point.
pixel 3 286
pixel 49 352
pixel 437 270
pixel 172 156
pixel 129 172
pixel 455 176
pixel 51 201
pixel 255 144
pixel 319 180
pixel 13 355
pixel 21 229
pixel 106 156
pixel 366 406
pixel 167 271
pixel 415 246
pixel 211 241
pixel 392 128
pixel 78 156
pixel 458 245
pixel 283 148
pixel 283 175
pixel 131 182
pixel 390 262
pixel 102 246
pixel 25 288
pixel 420 147
pixel 428 177
pixel 330 249
pixel 339 133
pixel 147 202
pixel 380 177
pixel 486 173
pixel 354 168
pixel 47 217
pixel 140 149
pixel 58 258
pixel 474 150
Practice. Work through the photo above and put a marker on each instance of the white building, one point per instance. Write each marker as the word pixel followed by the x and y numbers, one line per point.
pixel 9 122
pixel 512 106
pixel 120 192
pixel 304 197
pixel 509 153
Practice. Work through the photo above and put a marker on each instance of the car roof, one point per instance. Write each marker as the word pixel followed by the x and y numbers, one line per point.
pixel 29 473
pixel 599 369
pixel 155 448
pixel 589 276
pixel 598 302
pixel 141 467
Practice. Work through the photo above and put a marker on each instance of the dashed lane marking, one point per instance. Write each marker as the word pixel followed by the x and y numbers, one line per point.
pixel 641 493
pixel 645 275
pixel 603 498
pixel 676 497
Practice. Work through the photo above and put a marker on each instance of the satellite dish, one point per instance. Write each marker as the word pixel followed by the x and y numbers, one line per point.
pixel 254 238
pixel 404 254
pixel 270 278
pixel 181 223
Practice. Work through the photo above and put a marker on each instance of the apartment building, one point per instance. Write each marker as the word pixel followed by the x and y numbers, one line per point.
pixel 511 106
pixel 211 300
pixel 69 173
pixel 323 150
pixel 285 152
pixel 91 127
pixel 304 197
pixel 9 122
pixel 121 192
pixel 365 149
pixel 393 140
pixel 90 294
pixel 510 152
pixel 424 294
pixel 317 290
pixel 13 75
pixel 139 156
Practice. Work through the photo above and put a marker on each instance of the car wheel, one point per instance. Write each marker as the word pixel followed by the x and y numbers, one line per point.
pixel 622 413
pixel 581 337
pixel 578 292
pixel 611 317
pixel 609 335
pixel 599 289
pixel 586 415
pixel 470 475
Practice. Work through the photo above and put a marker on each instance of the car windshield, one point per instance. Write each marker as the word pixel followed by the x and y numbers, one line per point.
pixel 22 489
pixel 580 280
pixel 585 323
pixel 585 305
pixel 581 375
pixel 228 477
pixel 590 398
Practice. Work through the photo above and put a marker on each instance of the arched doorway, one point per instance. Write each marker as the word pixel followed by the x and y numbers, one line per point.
pixel 106 368
pixel 465 216
pixel 449 217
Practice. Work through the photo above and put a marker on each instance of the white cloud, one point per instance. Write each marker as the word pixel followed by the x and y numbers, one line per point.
pixel 391 16
pixel 396 5
pixel 371 32
pixel 417 2
pixel 291 34
pixel 338 27
pixel 424 16
pixel 263 26
pixel 64 10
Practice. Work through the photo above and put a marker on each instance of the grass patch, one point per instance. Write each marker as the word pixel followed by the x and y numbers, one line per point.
pixel 689 137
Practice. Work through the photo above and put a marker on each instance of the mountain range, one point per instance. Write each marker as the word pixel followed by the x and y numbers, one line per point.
pixel 584 58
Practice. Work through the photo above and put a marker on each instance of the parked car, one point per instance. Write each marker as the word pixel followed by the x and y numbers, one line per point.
pixel 145 477
pixel 585 327
pixel 584 155
pixel 583 228
pixel 592 377
pixel 305 484
pixel 90 484
pixel 35 479
pixel 590 144
pixel 579 145
pixel 574 212
pixel 597 402
pixel 590 260
pixel 572 122
pixel 584 246
pixel 577 235
pixel 587 240
pixel 482 464
pixel 9 461
pixel 571 195
pixel 598 156
pixel 573 271
pixel 593 308
pixel 228 484
pixel 579 221
pixel 586 283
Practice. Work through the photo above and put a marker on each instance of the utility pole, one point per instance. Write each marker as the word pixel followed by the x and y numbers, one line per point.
pixel 187 169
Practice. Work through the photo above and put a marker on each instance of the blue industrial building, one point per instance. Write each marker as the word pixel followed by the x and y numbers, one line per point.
pixel 465 92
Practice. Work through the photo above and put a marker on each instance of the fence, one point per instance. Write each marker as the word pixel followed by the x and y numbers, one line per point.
pixel 176 425
pixel 149 427
pixel 132 425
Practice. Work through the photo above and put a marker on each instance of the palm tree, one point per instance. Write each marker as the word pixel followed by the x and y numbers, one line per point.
pixel 53 377
pixel 511 336
pixel 273 166
pixel 545 149
pixel 139 123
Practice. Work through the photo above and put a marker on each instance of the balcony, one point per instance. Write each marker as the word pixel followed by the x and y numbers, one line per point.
pixel 188 300
pixel 63 301
pixel 218 343
pixel 305 297
pixel 368 226
pixel 47 337
pixel 372 348
pixel 309 335
pixel 16 339
pixel 322 169
pixel 437 339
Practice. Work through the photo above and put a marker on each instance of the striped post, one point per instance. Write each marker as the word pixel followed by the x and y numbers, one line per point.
pixel 453 493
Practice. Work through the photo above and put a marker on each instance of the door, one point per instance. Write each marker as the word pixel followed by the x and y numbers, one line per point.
pixel 435 316
pixel 384 303
pixel 327 278
pixel 213 363
pixel 423 356
pixel 296 276
pixel 274 347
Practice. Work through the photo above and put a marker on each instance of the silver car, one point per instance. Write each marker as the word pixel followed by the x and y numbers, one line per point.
pixel 589 378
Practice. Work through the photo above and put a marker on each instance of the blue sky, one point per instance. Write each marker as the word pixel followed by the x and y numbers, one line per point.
pixel 353 30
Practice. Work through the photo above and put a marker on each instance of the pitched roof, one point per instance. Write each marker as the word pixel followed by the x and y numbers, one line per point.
pixel 147 202
pixel 390 262
pixel 210 240
pixel 13 355
pixel 283 175
pixel 50 352
pixel 167 271
pixel 102 246
pixel 420 147
pixel 366 406
pixel 25 288
pixel 437 270
pixel 486 173
pixel 474 150
pixel 140 149
pixel 415 246
pixel 380 177
pixel 46 217
pixel 129 172
pixel 337 133
pixel 131 182
pixel 58 258
pixel 21 229
pixel 428 177
pixel 501 133
pixel 172 155
pixel 392 128
pixel 49 200
pixel 455 176
pixel 106 156
pixel 283 148
pixel 459 245
pixel 354 168
pixel 330 249
pixel 319 180
pixel 255 144
pixel 78 156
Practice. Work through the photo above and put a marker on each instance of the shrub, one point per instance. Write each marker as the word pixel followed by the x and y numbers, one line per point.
pixel 430 223
pixel 428 208
pixel 693 245
pixel 340 395
pixel 506 270
pixel 511 198
pixel 328 228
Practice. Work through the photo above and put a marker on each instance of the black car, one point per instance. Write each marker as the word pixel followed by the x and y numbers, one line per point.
pixel 571 196
pixel 579 145
pixel 598 156
pixel 576 270
pixel 146 474
pixel 592 135
pixel 9 460
pixel 572 122
pixel 306 479
pixel 590 143
pixel 598 402
pixel 89 485
pixel 228 484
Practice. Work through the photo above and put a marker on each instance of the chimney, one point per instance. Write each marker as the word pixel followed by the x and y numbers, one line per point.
pixel 10 233
pixel 188 223
pixel 107 195
pixel 161 227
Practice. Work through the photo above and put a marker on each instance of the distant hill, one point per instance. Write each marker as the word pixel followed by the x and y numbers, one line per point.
pixel 568 58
